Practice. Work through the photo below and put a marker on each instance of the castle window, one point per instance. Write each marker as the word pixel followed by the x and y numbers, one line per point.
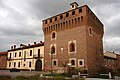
pixel 80 10
pixel 14 64
pixel 10 55
pixel 53 35
pixel 47 29
pixel 61 16
pixel 78 21
pixel 54 62
pixel 67 14
pixel 55 18
pixel 90 31
pixel 50 20
pixel 81 62
pixel 72 47
pixel 15 54
pixel 18 64
pixel 53 50
pixel 29 64
pixel 66 24
pixel 19 54
pixel 46 22
pixel 10 64
pixel 72 6
pixel 30 52
pixel 58 26
pixel 73 13
pixel 63 24
pixel 82 18
pixel 72 62
pixel 72 23
pixel 69 23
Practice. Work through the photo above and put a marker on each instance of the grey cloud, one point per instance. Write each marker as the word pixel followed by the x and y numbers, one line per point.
pixel 23 22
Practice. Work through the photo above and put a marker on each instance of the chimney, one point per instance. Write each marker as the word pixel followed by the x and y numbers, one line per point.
pixel 34 42
pixel 11 47
pixel 40 41
pixel 14 46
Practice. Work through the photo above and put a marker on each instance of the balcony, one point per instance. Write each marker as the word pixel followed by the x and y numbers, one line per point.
pixel 36 56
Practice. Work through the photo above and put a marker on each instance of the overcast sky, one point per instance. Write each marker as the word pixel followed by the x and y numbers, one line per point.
pixel 21 20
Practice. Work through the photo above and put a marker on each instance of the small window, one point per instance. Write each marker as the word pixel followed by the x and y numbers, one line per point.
pixel 18 64
pixel 53 35
pixel 10 64
pixel 46 22
pixel 29 64
pixel 90 31
pixel 80 10
pixel 61 16
pixel 15 54
pixel 82 18
pixel 72 47
pixel 81 62
pixel 23 64
pixel 53 50
pixel 73 13
pixel 67 14
pixel 30 52
pixel 10 55
pixel 39 53
pixel 19 54
pixel 55 18
pixel 54 63
pixel 50 20
pixel 14 64
pixel 72 62
pixel 72 6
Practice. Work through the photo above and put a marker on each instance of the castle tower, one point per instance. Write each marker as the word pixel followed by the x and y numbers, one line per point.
pixel 74 37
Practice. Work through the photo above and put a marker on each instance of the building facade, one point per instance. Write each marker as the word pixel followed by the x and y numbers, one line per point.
pixel 26 57
pixel 74 39
pixel 112 62
pixel 3 60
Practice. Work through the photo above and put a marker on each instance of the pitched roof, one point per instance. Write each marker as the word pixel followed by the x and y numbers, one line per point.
pixel 28 46
pixel 3 52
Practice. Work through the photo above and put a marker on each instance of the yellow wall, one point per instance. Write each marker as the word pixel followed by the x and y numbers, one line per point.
pixel 29 58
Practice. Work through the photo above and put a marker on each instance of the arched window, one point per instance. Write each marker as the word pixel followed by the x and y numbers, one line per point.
pixel 53 35
pixel 73 13
pixel 90 30
pixel 72 62
pixel 53 50
pixel 67 14
pixel 61 16
pixel 72 47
